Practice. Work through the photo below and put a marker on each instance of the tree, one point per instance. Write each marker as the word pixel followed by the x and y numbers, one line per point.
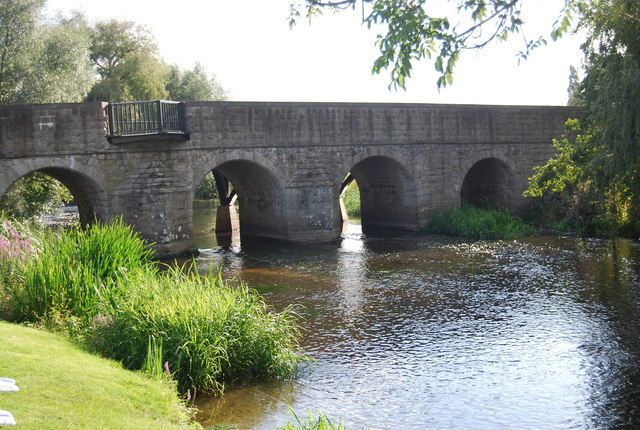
pixel 126 58
pixel 113 41
pixel 415 30
pixel 18 19
pixel 575 98
pixel 138 77
pixel 604 153
pixel 59 67
pixel 33 195
pixel 42 62
pixel 196 84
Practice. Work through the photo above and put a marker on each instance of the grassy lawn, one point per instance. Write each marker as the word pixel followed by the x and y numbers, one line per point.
pixel 63 387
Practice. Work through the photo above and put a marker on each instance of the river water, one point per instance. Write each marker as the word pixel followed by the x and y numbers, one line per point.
pixel 417 332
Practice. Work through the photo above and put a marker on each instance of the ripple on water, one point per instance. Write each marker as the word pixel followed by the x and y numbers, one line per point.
pixel 423 332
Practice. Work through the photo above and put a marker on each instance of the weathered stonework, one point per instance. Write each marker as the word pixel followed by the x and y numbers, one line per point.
pixel 286 160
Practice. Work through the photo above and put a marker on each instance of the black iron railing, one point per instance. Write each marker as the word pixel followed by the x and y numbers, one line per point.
pixel 141 118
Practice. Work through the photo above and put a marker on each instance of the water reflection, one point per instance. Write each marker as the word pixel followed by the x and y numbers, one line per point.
pixel 422 332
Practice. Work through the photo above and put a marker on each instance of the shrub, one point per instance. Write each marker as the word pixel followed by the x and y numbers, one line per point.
pixel 211 333
pixel 475 223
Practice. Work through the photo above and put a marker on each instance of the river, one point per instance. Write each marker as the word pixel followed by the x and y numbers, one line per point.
pixel 416 332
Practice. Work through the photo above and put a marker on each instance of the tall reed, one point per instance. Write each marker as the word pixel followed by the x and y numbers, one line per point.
pixel 212 333
pixel 102 286
pixel 476 223
pixel 77 272
pixel 312 422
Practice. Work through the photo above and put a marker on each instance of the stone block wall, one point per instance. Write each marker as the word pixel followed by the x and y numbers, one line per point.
pixel 287 161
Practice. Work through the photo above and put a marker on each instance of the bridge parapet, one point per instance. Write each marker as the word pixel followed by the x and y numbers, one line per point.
pixel 133 121
pixel 257 124
pixel 51 129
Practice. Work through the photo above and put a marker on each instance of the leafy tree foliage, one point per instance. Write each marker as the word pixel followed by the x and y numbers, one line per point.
pixel 596 173
pixel 42 62
pixel 126 59
pixel 418 29
pixel 113 41
pixel 196 84
pixel 59 66
pixel 33 195
pixel 18 19
pixel 138 77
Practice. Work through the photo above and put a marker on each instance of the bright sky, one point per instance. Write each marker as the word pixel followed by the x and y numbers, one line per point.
pixel 248 45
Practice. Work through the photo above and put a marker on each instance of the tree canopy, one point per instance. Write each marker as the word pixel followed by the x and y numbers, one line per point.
pixel 42 62
pixel 595 175
pixel 419 29
pixel 194 84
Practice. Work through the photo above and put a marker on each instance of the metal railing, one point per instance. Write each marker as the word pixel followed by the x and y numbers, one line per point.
pixel 141 118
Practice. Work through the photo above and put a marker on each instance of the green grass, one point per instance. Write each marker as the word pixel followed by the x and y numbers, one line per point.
pixel 312 422
pixel 475 223
pixel 211 333
pixel 62 387
pixel 78 272
pixel 351 198
pixel 101 287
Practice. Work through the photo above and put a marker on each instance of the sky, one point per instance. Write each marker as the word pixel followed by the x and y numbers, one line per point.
pixel 248 45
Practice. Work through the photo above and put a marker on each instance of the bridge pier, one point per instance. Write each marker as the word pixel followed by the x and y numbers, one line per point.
pixel 157 201
pixel 227 220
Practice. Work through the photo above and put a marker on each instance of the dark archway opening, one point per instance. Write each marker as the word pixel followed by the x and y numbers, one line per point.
pixel 248 202
pixel 48 189
pixel 488 184
pixel 387 194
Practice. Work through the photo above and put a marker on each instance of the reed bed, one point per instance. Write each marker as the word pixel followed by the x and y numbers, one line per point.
pixel 77 272
pixel 475 223
pixel 211 333
pixel 103 288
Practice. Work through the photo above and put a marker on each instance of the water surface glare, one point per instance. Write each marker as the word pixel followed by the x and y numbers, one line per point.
pixel 426 332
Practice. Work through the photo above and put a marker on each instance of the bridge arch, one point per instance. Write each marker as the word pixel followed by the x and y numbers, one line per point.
pixel 489 182
pixel 260 194
pixel 387 192
pixel 87 193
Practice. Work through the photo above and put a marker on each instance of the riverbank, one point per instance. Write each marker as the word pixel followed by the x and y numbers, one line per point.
pixel 64 387
pixel 101 287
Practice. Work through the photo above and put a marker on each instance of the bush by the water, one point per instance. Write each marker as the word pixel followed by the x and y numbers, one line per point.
pixel 211 333
pixel 101 285
pixel 475 223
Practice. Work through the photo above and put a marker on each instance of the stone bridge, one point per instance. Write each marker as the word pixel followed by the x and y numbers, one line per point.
pixel 287 162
